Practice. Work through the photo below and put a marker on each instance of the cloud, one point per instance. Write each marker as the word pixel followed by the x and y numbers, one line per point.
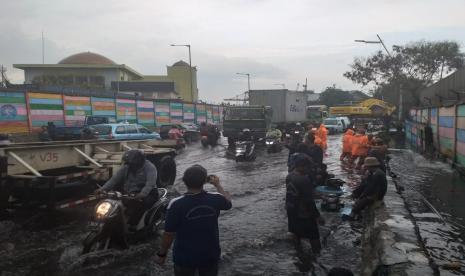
pixel 275 41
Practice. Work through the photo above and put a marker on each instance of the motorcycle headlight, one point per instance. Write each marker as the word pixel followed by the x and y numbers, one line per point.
pixel 102 209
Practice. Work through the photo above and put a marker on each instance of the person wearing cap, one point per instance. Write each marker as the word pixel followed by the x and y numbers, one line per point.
pixel 379 151
pixel 137 176
pixel 372 188
pixel 192 223
pixel 302 214
pixel 347 145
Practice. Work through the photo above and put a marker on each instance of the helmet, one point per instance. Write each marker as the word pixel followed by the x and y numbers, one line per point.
pixel 246 130
pixel 134 158
pixel 297 124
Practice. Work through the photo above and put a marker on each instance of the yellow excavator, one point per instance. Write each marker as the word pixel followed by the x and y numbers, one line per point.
pixel 367 108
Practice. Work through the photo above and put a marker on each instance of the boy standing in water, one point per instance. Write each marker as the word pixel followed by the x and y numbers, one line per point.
pixel 302 213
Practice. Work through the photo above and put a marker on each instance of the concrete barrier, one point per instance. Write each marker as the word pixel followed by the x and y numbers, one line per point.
pixel 390 242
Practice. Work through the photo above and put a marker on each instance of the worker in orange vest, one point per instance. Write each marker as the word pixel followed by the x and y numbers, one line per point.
pixel 322 133
pixel 347 144
pixel 360 148
pixel 317 140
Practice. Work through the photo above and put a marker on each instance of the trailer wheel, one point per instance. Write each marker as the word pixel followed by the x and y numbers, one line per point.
pixel 166 172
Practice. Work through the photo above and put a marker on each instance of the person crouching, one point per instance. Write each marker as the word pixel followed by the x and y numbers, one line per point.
pixel 372 188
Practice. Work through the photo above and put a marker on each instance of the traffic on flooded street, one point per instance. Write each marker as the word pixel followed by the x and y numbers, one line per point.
pixel 224 138
pixel 253 234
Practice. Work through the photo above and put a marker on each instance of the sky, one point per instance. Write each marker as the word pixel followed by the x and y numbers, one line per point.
pixel 276 42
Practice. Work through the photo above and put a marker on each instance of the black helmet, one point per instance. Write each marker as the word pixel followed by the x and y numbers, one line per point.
pixel 134 158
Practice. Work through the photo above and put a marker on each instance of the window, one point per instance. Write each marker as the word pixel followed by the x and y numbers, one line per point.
pixel 120 130
pixel 143 130
pixel 65 80
pixel 97 81
pixel 102 129
pixel 80 80
pixel 131 129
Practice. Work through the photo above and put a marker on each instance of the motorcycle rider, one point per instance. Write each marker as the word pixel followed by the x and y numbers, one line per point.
pixel 274 133
pixel 175 133
pixel 245 135
pixel 137 176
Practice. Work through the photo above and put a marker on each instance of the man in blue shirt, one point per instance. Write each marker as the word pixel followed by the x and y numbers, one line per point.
pixel 192 222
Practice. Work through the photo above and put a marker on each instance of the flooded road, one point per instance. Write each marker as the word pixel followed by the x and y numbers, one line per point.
pixel 443 232
pixel 253 234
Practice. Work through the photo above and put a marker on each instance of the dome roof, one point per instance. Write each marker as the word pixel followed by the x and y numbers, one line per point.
pixel 181 63
pixel 87 58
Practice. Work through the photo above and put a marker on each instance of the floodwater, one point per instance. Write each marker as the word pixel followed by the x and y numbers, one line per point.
pixel 253 234
pixel 442 227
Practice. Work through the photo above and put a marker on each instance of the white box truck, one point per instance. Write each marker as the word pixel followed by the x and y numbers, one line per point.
pixel 287 106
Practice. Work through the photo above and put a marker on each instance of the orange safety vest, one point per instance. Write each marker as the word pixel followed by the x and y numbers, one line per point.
pixel 322 133
pixel 347 141
pixel 360 145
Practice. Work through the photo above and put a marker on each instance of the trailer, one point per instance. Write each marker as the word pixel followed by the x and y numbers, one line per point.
pixel 288 106
pixel 55 174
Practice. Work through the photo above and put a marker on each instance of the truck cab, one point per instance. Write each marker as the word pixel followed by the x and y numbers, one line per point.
pixel 237 118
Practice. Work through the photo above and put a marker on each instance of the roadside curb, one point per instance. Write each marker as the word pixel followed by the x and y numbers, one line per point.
pixel 390 242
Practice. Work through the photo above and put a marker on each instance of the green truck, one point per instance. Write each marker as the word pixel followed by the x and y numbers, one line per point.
pixel 236 118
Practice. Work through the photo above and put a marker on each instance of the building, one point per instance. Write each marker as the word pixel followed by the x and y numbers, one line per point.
pixel 93 71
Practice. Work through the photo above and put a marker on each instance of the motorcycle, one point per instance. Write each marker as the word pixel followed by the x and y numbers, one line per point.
pixel 109 227
pixel 245 151
pixel 273 145
pixel 210 139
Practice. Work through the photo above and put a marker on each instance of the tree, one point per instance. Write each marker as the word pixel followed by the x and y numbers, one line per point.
pixel 411 68
pixel 333 96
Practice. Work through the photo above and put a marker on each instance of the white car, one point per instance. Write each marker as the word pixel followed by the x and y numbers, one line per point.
pixel 335 125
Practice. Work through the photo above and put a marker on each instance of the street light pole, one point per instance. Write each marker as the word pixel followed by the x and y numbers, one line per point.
pixel 190 66
pixel 399 88
pixel 248 79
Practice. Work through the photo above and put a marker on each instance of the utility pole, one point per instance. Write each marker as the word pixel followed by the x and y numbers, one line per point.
pixel 43 49
pixel 246 94
pixel 399 88
pixel 190 66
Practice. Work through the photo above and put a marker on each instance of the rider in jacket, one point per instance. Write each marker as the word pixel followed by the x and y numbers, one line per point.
pixel 137 176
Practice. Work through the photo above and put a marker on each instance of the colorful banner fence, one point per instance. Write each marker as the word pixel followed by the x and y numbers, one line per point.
pixel 176 115
pixel 44 108
pixel 13 113
pixel 126 110
pixel 162 113
pixel 76 110
pixel 22 112
pixel 447 128
pixel 200 113
pixel 145 113
pixel 209 114
pixel 103 107
pixel 189 113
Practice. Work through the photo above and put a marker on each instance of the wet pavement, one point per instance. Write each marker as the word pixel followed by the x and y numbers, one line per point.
pixel 442 227
pixel 253 233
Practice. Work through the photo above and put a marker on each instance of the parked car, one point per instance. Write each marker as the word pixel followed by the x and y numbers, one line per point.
pixel 191 132
pixel 124 132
